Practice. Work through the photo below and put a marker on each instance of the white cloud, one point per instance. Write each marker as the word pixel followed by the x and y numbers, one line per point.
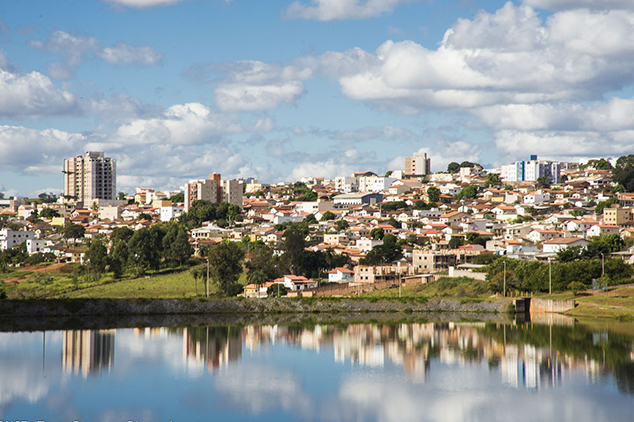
pixel 580 4
pixel 126 54
pixel 184 124
pixel 564 145
pixel 328 10
pixel 509 57
pixel 253 85
pixel 444 152
pixel 75 49
pixel 344 163
pixel 32 94
pixel 30 151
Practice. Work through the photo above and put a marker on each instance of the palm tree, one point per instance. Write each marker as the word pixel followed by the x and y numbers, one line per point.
pixel 257 277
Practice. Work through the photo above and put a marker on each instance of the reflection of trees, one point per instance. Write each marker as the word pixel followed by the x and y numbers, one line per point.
pixel 625 378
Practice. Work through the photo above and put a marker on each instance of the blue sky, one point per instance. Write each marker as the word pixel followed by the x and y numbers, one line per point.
pixel 281 89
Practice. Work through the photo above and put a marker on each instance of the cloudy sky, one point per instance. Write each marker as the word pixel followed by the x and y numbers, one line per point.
pixel 281 89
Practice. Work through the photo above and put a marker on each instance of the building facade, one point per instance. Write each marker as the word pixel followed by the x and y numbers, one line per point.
pixel 418 165
pixel 531 170
pixel 214 190
pixel 89 177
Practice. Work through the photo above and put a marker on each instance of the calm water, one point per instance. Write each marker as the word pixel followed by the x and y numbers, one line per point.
pixel 449 372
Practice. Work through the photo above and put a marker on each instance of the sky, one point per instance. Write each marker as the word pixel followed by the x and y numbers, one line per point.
pixel 280 89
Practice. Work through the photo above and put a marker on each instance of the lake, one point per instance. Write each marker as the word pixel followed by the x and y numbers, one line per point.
pixel 422 371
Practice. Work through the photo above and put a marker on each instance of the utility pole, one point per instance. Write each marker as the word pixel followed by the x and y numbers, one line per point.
pixel 550 279
pixel 504 288
pixel 602 264
pixel 207 284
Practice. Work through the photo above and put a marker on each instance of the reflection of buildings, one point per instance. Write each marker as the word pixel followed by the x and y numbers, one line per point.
pixel 215 345
pixel 87 351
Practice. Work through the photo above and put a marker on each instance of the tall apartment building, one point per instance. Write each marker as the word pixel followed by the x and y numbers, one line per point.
pixel 213 189
pixel 531 170
pixel 418 165
pixel 89 177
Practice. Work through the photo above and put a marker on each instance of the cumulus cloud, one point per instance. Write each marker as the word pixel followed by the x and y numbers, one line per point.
pixel 75 49
pixel 508 57
pixel 32 94
pixel 253 85
pixel 328 10
pixel 330 164
pixel 580 4
pixel 126 54
pixel 182 124
pixel 30 151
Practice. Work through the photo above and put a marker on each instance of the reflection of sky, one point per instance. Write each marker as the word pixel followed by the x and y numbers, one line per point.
pixel 154 377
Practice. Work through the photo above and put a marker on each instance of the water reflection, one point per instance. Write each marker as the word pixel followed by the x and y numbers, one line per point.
pixel 426 371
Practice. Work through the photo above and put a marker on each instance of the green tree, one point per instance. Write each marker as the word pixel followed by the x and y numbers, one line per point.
pixel 178 198
pixel 293 245
pixel 433 193
pixel 121 233
pixel 493 179
pixel 116 267
pixel 542 182
pixel 198 273
pixel 328 216
pixel 388 252
pixel 277 290
pixel 96 259
pixel 121 196
pixel 421 205
pixel 225 260
pixel 452 168
pixel 342 225
pixel 73 231
pixel 377 233
pixel 623 172
pixel 468 192
pixel 257 277
pixel 310 219
pixel 605 204
pixel 49 213
pixel 143 253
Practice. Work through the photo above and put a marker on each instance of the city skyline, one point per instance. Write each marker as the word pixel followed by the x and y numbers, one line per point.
pixel 173 90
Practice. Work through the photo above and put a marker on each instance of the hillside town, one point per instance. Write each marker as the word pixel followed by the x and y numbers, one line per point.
pixel 378 230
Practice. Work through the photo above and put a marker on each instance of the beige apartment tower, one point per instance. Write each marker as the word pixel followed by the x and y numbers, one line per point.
pixel 89 177
pixel 417 166
pixel 213 189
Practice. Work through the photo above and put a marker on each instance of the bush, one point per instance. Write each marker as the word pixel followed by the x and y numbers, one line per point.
pixel 3 294
pixel 234 289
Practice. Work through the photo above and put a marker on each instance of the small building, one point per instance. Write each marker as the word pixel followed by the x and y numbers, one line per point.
pixel 340 275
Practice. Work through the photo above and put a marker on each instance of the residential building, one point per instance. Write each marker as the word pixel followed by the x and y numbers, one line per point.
pixel 90 177
pixel 616 215
pixel 296 282
pixel 348 200
pixel 430 261
pixel 340 275
pixel 531 170
pixel 556 244
pixel 417 166
pixel 10 238
pixel 375 183
pixel 214 190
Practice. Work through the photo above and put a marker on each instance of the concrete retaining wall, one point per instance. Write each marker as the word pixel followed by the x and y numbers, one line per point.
pixel 550 305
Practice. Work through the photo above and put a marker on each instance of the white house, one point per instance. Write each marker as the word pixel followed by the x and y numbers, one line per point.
pixel 603 230
pixel 296 282
pixel 366 244
pixel 36 245
pixel 556 244
pixel 340 275
pixel 536 197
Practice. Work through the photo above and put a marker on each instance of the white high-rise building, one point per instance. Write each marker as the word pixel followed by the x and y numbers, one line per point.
pixel 90 177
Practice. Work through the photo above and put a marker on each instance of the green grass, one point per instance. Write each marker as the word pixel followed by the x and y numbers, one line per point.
pixel 445 288
pixel 163 286
pixel 617 303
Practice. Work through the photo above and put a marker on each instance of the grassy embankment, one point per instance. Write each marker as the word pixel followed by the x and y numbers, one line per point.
pixel 616 303
pixel 65 282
